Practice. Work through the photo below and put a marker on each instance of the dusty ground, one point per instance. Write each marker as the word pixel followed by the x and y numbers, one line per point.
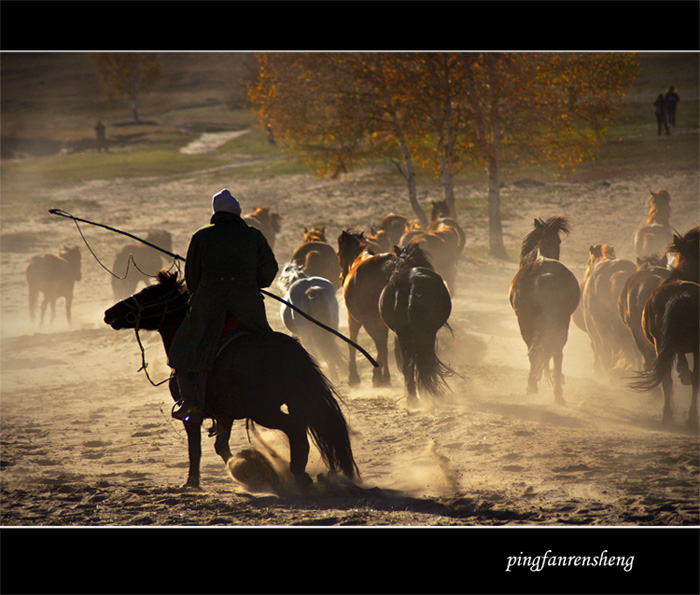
pixel 86 440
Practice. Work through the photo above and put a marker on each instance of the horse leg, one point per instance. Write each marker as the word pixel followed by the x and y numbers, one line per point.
pixel 692 424
pixel 353 331
pixel 194 451
pixel 223 434
pixel 380 374
pixel 408 368
pixel 44 304
pixel 69 301
pixel 298 454
pixel 667 388
pixel 558 377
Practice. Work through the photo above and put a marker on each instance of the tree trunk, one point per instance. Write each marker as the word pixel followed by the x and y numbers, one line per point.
pixel 496 246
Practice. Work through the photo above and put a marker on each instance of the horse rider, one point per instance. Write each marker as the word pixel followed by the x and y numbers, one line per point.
pixel 227 264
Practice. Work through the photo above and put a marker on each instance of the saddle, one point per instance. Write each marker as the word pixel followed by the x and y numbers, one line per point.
pixel 233 328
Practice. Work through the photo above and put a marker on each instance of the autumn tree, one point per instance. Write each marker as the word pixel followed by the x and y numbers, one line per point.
pixel 540 109
pixel 443 112
pixel 127 76
pixel 337 109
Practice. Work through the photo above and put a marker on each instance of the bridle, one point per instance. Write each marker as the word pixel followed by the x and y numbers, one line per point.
pixel 136 315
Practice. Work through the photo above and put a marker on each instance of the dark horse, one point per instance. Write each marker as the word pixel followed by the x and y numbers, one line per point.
pixel 255 377
pixel 544 294
pixel 671 323
pixel 364 276
pixel 53 275
pixel 416 304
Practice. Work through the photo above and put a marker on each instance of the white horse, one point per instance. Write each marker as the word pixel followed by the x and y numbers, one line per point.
pixel 316 297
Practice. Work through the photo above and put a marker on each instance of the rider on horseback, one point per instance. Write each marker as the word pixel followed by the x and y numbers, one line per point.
pixel 227 264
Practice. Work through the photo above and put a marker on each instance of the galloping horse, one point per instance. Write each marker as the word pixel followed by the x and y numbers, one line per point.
pixel 268 222
pixel 364 276
pixel 136 262
pixel 544 295
pixel 671 322
pixel 254 377
pixel 612 344
pixel 316 297
pixel 415 304
pixel 54 276
pixel 651 272
pixel 317 258
pixel 656 234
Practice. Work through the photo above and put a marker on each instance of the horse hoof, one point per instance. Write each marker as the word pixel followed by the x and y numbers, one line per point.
pixel 303 482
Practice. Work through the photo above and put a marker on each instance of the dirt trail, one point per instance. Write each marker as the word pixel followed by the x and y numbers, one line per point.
pixel 86 440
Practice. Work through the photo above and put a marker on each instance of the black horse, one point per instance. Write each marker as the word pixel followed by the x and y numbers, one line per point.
pixel 416 304
pixel 544 294
pixel 256 377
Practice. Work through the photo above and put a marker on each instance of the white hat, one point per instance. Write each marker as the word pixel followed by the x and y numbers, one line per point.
pixel 225 201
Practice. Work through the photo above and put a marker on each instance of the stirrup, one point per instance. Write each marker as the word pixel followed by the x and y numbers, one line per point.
pixel 184 413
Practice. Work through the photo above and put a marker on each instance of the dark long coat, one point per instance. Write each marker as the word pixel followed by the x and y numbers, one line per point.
pixel 227 264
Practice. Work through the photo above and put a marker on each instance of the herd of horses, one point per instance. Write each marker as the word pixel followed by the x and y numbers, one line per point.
pixel 400 278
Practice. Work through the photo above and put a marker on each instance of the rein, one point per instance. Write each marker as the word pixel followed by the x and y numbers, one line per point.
pixel 136 319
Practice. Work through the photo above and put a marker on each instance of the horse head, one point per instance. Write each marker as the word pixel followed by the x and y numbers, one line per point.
pixel 544 239
pixel 440 209
pixel 315 234
pixel 686 252
pixel 411 255
pixel 291 272
pixel 350 246
pixel 72 256
pixel 659 207
pixel 148 308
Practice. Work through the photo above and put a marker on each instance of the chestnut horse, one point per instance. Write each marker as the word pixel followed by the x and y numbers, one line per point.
pixel 656 234
pixel 268 222
pixel 440 220
pixel 544 294
pixel 256 376
pixel 415 304
pixel 671 323
pixel 54 276
pixel 364 276
pixel 317 258
pixel 613 346
pixel 137 262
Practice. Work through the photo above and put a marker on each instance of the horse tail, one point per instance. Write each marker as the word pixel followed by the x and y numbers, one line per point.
pixel 327 425
pixel 430 371
pixel 674 320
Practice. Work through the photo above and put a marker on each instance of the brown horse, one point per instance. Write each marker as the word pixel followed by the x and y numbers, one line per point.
pixel 395 226
pixel 415 304
pixel 671 322
pixel 54 276
pixel 612 344
pixel 268 222
pixel 364 276
pixel 317 257
pixel 544 294
pixel 651 272
pixel 137 262
pixel 440 220
pixel 656 234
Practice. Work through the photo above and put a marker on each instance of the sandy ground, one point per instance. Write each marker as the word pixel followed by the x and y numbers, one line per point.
pixel 87 441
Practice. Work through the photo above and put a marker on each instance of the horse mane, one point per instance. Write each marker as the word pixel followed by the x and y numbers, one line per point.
pixel 411 256
pixel 169 279
pixel 688 249
pixel 554 225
